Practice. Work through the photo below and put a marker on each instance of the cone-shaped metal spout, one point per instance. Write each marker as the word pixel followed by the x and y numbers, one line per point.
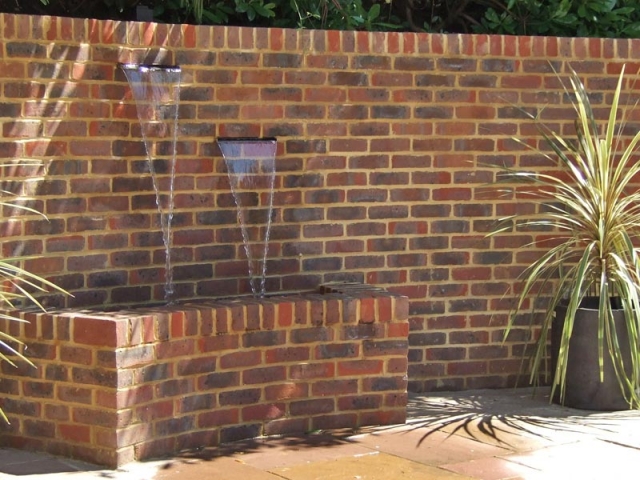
pixel 247 139
pixel 149 67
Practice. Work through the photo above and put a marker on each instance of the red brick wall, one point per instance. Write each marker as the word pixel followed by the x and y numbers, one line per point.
pixel 114 387
pixel 384 141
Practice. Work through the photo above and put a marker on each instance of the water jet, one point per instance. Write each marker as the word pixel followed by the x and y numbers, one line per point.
pixel 251 168
pixel 156 91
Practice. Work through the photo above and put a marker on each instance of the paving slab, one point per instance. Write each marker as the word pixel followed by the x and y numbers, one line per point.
pixel 508 433
pixel 221 468
pixel 482 435
pixel 429 448
pixel 495 469
pixel 24 465
pixel 518 433
pixel 521 419
pixel 20 462
pixel 376 466
pixel 590 459
pixel 289 453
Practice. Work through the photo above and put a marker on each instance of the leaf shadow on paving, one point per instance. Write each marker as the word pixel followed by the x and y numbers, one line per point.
pixel 297 445
pixel 292 443
pixel 502 418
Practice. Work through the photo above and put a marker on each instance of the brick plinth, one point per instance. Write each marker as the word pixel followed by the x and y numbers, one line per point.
pixel 110 388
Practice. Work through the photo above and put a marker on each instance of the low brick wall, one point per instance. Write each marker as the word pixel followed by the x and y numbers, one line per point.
pixel 114 387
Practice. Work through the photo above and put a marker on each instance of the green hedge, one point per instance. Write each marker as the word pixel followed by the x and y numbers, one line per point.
pixel 582 18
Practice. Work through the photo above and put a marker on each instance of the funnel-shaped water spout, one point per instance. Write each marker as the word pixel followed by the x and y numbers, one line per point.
pixel 251 168
pixel 156 91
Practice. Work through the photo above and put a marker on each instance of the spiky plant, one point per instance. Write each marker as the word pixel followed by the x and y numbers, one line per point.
pixel 593 209
pixel 17 285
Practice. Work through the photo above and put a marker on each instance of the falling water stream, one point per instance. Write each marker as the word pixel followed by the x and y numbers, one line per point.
pixel 251 168
pixel 156 91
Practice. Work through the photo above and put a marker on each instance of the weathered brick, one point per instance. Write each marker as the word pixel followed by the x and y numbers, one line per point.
pixel 385 347
pixel 38 350
pixel 342 420
pixel 263 339
pixel 337 350
pixel 247 358
pixel 282 60
pixel 287 354
pixel 239 397
pixel 39 428
pixel 219 417
pixel 78 355
pixel 312 407
pixel 267 412
pixel 174 425
pixel 175 348
pixel 237 433
pixel 431 338
pixel 155 372
pixel 311 335
pixel 238 58
pixel 198 365
pixel 335 387
pixel 214 381
pixel 38 389
pixel 174 387
pixel 263 375
pixel 413 63
pixel 89 416
pixel 360 402
pixel 286 391
pixel 94 376
pixel 348 78
pixel 305 371
pixel 360 367
pixel 362 331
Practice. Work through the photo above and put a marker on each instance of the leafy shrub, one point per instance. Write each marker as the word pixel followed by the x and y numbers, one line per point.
pixel 317 14
pixel 591 18
pixel 594 18
pixel 567 18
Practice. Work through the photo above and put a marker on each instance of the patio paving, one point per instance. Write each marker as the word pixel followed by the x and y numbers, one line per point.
pixel 483 434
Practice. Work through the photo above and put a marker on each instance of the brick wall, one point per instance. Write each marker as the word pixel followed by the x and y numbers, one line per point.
pixel 384 145
pixel 114 387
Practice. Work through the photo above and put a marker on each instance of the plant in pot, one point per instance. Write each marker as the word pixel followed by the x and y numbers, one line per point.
pixel 588 273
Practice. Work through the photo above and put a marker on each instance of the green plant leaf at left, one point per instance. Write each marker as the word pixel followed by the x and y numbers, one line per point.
pixel 18 286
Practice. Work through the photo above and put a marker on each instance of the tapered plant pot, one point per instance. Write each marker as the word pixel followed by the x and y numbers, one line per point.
pixel 584 390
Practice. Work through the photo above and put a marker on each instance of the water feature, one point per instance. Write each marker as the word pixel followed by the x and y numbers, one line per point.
pixel 156 91
pixel 158 343
pixel 251 168
pixel 250 165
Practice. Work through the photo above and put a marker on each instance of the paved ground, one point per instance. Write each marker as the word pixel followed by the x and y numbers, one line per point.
pixel 484 434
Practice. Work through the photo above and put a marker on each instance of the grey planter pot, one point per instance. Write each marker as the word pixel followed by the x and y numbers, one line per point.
pixel 584 389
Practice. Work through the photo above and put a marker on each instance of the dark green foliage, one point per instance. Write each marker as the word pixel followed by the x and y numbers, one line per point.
pixel 583 18
pixel 566 18
pixel 343 15
pixel 318 14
